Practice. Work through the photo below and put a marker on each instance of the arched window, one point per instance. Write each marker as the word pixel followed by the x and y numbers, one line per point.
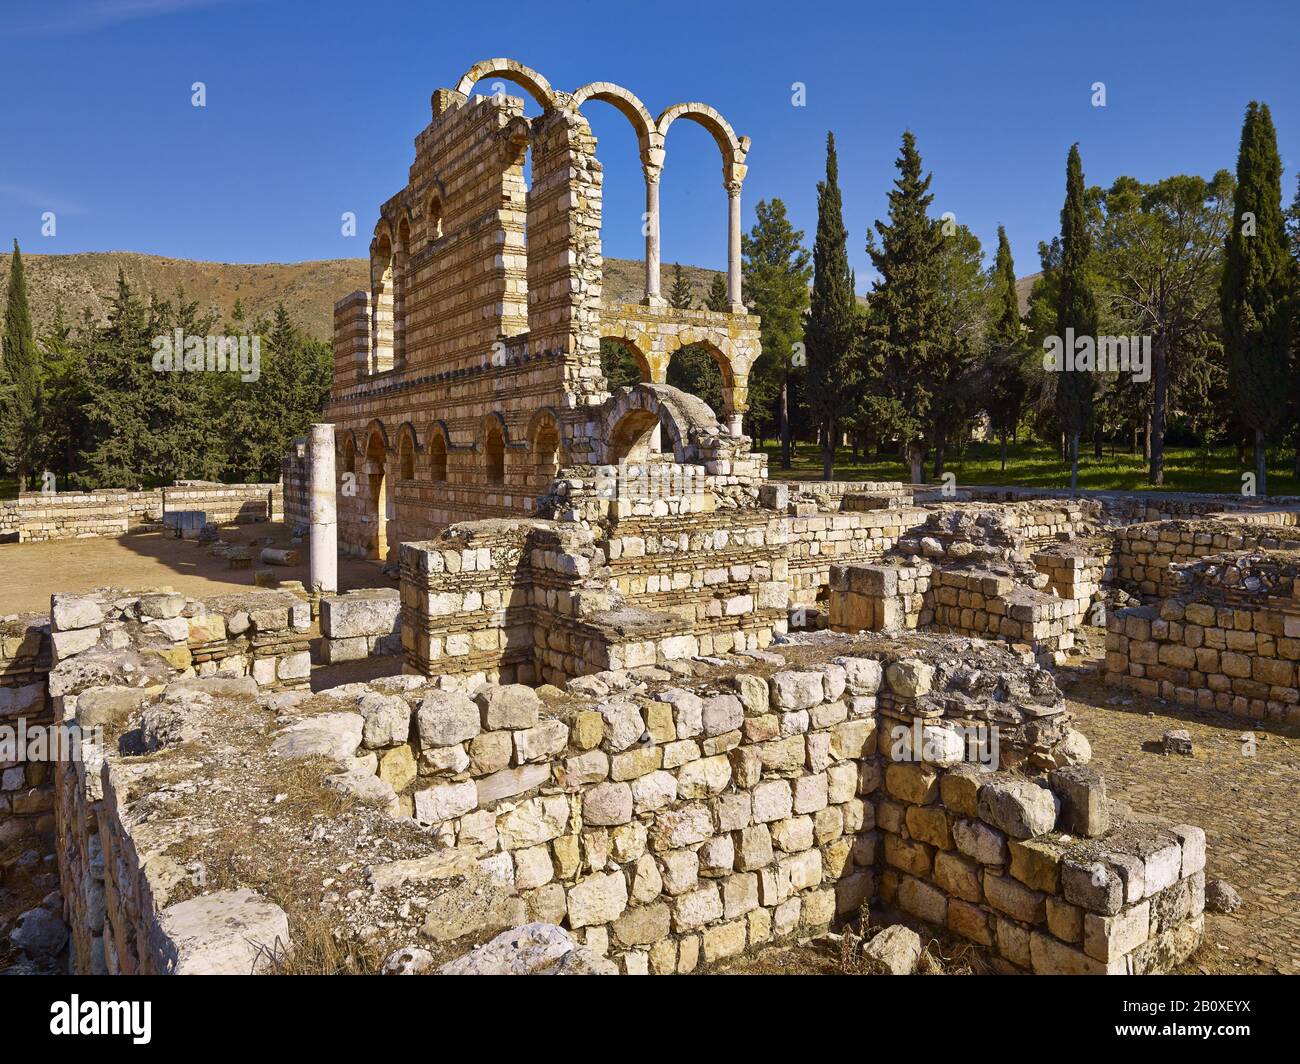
pixel 406 454
pixel 494 449
pixel 433 220
pixel 381 288
pixel 437 457
pixel 349 456
pixel 401 282
pixel 546 450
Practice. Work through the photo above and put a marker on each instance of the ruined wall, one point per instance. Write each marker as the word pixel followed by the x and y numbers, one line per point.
pixel 42 516
pixel 967 601
pixel 1227 638
pixel 26 786
pixel 1144 553
pixel 669 817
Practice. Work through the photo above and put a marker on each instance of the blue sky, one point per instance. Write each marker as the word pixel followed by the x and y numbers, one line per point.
pixel 312 108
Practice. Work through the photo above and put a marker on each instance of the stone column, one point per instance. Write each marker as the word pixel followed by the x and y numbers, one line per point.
pixel 652 168
pixel 733 247
pixel 323 513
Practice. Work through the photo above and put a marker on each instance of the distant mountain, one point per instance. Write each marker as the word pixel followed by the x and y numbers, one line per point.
pixel 308 289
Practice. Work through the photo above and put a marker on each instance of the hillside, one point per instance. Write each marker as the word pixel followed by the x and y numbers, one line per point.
pixel 86 282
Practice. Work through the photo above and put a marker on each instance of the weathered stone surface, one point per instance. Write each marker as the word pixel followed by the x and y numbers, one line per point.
pixel 533 949
pixel 446 718
pixel 508 706
pixel 597 900
pixel 333 735
pixel 40 934
pixel 228 932
pixel 387 720
pixel 894 951
pixel 1017 806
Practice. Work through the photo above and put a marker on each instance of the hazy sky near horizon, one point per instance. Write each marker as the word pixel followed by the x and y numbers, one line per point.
pixel 312 109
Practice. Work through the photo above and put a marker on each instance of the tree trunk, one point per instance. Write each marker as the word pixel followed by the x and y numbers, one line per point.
pixel 1097 443
pixel 915 456
pixel 1146 439
pixel 1261 464
pixel 1074 462
pixel 1133 440
pixel 1159 394
pixel 938 460
pixel 828 449
pixel 1004 450
pixel 785 423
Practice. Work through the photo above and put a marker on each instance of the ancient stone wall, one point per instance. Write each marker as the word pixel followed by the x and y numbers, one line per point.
pixel 26 786
pixel 42 516
pixel 1226 638
pixel 1144 553
pixel 669 816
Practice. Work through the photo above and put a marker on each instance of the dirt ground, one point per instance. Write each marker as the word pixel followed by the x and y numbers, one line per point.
pixel 1243 795
pixel 30 572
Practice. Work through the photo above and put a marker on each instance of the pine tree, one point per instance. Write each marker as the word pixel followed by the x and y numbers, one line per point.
pixel 830 332
pixel 1076 309
pixel 64 433
pixel 717 299
pixel 120 422
pixel 22 416
pixel 775 284
pixel 1006 346
pixel 906 324
pixel 1256 290
pixel 680 295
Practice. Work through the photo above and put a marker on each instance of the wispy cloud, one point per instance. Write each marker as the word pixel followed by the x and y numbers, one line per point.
pixel 62 17
pixel 35 197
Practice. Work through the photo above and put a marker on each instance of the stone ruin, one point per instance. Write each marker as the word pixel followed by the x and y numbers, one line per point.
pixel 615 734
pixel 654 818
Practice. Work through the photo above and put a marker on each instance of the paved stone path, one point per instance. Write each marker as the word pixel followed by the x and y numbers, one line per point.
pixel 1246 804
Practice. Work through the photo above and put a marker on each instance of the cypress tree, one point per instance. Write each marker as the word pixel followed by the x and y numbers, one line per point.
pixel 1255 293
pixel 680 294
pixel 906 324
pixel 717 299
pixel 830 332
pixel 1007 382
pixel 23 412
pixel 1076 308
pixel 776 274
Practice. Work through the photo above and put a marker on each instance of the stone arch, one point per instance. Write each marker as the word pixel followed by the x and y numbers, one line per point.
pixel 494 437
pixel 626 103
pixel 401 284
pixel 510 70
pixel 439 443
pixel 407 446
pixel 348 450
pixel 649 363
pixel 632 416
pixel 733 148
pixel 379 502
pixel 720 350
pixel 435 205
pixel 381 299
pixel 545 443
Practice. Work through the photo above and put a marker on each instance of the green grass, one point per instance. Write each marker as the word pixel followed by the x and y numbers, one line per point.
pixel 1036 465
pixel 8 488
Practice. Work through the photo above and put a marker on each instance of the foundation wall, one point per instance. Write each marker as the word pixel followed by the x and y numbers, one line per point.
pixel 41 516
pixel 675 823
pixel 1228 638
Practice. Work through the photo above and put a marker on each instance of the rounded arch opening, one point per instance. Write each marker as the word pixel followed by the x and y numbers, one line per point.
pixel 437 456
pixel 494 452
pixel 636 436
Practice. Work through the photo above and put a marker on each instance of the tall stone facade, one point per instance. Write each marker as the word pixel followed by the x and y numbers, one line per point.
pixel 467 380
